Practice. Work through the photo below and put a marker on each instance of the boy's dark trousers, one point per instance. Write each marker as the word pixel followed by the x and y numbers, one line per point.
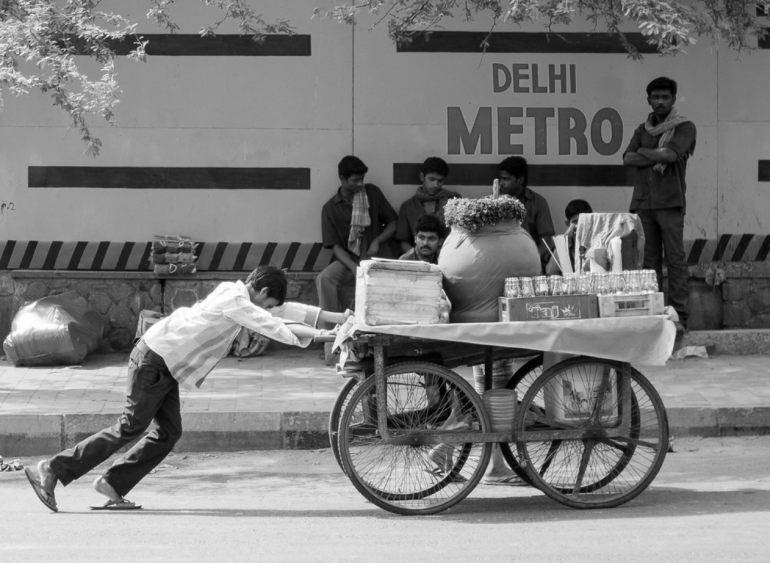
pixel 152 393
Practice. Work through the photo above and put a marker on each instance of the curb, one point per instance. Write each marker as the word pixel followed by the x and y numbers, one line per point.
pixel 32 435
pixel 753 342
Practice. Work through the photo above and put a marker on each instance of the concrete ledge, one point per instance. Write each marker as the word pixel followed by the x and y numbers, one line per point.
pixel 37 435
pixel 30 434
pixel 693 422
pixel 742 422
pixel 731 342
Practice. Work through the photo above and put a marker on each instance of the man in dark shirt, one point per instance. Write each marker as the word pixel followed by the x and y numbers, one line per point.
pixel 513 173
pixel 430 233
pixel 658 153
pixel 430 199
pixel 357 224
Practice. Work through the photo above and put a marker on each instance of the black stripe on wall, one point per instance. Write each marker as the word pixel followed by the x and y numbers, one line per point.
pixel 523 42
pixel 740 249
pixel 243 254
pixel 695 251
pixel 29 254
pixel 194 45
pixel 311 259
pixel 724 240
pixel 267 255
pixel 763 169
pixel 219 252
pixel 160 178
pixel 101 252
pixel 610 175
pixel 764 250
pixel 7 253
pixel 290 254
pixel 53 253
pixel 125 254
pixel 77 254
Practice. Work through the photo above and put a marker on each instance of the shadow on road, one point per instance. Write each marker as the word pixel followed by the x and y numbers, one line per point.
pixel 658 503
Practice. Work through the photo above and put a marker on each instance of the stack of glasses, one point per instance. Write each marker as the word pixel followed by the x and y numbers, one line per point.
pixel 629 282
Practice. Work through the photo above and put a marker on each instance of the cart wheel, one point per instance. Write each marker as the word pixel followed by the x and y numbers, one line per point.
pixel 334 417
pixel 521 381
pixel 423 479
pixel 603 453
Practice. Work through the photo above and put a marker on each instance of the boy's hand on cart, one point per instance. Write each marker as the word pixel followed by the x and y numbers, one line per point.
pixel 326 335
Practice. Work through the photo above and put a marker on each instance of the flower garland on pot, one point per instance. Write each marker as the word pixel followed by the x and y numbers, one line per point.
pixel 472 214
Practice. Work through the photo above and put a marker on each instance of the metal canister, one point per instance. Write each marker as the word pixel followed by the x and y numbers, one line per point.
pixel 601 283
pixel 570 284
pixel 540 285
pixel 633 281
pixel 617 283
pixel 555 285
pixel 585 285
pixel 527 288
pixel 649 281
pixel 514 287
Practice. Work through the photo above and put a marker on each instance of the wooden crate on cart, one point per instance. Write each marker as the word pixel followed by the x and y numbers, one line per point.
pixel 631 305
pixel 548 308
pixel 397 292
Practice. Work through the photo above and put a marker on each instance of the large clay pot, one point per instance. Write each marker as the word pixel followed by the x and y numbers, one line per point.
pixel 476 264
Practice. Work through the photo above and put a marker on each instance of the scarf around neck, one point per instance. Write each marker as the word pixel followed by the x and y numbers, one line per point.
pixel 442 196
pixel 666 130
pixel 359 220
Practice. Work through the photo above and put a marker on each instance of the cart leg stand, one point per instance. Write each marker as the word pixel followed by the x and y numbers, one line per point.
pixel 552 358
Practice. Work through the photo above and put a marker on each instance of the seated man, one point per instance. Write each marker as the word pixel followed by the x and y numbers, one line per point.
pixel 429 200
pixel 357 224
pixel 572 211
pixel 430 233
pixel 513 173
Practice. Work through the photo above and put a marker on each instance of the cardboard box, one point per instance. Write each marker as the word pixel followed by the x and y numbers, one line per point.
pixel 397 292
pixel 631 305
pixel 548 308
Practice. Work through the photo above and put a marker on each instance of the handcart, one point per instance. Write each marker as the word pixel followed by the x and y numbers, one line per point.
pixel 590 431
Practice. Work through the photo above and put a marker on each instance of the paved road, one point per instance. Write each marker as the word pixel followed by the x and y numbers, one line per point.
pixel 711 502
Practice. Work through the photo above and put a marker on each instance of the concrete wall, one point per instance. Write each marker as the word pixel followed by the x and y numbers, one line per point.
pixel 355 91
pixel 726 296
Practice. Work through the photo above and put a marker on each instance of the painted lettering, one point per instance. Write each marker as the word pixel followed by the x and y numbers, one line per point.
pixel 499 70
pixel 531 124
pixel 505 129
pixel 526 78
pixel 540 117
pixel 458 133
pixel 612 146
pixel 519 71
pixel 572 126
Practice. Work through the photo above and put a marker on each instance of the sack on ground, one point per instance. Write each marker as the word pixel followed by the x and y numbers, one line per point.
pixel 249 343
pixel 147 318
pixel 56 330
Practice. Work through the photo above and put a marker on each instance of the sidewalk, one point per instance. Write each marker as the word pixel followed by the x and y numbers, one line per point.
pixel 282 400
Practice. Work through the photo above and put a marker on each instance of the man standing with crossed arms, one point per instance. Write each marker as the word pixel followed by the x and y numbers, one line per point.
pixel 658 152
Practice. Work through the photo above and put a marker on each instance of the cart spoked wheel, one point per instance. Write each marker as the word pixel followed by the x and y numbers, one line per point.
pixel 521 381
pixel 343 398
pixel 414 479
pixel 592 433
